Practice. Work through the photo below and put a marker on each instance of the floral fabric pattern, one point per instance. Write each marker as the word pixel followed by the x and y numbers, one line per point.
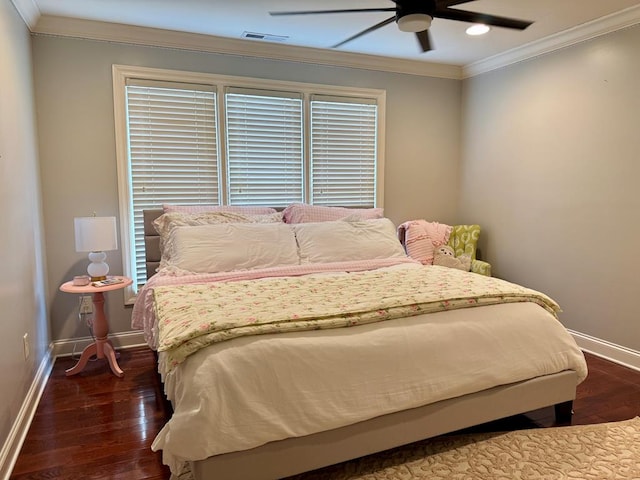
pixel 192 316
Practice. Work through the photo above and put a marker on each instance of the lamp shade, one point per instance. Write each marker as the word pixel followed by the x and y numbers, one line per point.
pixel 95 234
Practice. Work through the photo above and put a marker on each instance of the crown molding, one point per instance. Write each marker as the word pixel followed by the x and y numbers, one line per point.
pixel 136 35
pixel 128 34
pixel 610 23
pixel 28 10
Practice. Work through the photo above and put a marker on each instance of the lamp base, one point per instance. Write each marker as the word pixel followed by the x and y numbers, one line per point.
pixel 98 268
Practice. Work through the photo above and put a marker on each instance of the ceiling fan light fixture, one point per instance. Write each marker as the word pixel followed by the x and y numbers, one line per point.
pixel 478 29
pixel 414 22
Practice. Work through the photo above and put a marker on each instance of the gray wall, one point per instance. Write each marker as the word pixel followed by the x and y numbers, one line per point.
pixel 73 87
pixel 22 290
pixel 550 167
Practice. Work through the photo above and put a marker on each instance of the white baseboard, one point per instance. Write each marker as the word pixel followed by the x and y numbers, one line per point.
pixel 610 351
pixel 13 443
pixel 74 346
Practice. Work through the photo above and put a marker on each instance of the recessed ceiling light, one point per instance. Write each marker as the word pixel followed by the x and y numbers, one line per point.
pixel 478 29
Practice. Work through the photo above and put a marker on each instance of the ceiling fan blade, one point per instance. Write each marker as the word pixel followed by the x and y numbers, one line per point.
pixel 450 3
pixel 368 30
pixel 351 10
pixel 424 38
pixel 474 17
pixel 437 3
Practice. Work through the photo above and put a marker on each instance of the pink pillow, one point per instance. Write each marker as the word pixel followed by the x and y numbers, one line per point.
pixel 303 213
pixel 243 209
pixel 421 238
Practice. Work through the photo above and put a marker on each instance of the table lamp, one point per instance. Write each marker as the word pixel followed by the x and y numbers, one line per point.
pixel 96 235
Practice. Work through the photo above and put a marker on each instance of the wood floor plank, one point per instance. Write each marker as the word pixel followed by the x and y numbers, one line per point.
pixel 97 426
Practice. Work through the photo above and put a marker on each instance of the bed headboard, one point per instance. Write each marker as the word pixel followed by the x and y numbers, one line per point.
pixel 151 241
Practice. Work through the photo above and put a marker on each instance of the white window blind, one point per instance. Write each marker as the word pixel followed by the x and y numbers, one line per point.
pixel 343 151
pixel 172 144
pixel 264 139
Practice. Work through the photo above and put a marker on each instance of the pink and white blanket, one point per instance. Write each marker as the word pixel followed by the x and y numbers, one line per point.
pixel 143 315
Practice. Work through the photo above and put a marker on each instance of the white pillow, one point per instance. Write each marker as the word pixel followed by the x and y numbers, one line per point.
pixel 341 241
pixel 165 224
pixel 233 246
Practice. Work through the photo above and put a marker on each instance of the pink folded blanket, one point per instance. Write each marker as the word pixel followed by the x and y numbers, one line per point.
pixel 420 238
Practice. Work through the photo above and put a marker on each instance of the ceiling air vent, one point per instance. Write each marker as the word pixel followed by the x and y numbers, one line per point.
pixel 265 36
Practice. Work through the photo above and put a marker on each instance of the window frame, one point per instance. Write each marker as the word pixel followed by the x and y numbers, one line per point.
pixel 121 73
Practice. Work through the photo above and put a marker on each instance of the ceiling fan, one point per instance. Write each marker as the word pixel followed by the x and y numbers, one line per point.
pixel 416 16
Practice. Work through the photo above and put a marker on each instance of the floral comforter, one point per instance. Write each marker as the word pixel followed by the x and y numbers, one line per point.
pixel 192 316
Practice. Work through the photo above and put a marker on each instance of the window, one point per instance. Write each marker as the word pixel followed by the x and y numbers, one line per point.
pixel 264 147
pixel 191 138
pixel 343 152
pixel 172 151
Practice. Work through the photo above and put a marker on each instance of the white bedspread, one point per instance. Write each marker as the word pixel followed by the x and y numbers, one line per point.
pixel 248 391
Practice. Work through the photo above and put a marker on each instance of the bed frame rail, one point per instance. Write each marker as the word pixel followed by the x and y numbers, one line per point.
pixel 295 455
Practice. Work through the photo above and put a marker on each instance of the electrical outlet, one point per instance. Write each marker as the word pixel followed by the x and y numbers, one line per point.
pixel 25 344
pixel 86 305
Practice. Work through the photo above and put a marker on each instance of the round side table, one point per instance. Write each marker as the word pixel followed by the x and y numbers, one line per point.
pixel 102 347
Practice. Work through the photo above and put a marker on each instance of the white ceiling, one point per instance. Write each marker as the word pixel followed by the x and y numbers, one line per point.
pixel 229 19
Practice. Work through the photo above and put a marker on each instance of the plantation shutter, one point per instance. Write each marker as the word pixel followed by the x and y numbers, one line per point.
pixel 172 143
pixel 264 147
pixel 343 151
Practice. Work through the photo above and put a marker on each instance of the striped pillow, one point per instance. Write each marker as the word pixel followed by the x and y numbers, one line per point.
pixel 243 209
pixel 303 213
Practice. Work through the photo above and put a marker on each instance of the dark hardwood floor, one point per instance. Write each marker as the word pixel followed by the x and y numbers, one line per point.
pixel 97 426
pixel 94 425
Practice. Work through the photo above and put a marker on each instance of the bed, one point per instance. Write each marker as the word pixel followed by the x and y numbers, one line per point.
pixel 273 399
